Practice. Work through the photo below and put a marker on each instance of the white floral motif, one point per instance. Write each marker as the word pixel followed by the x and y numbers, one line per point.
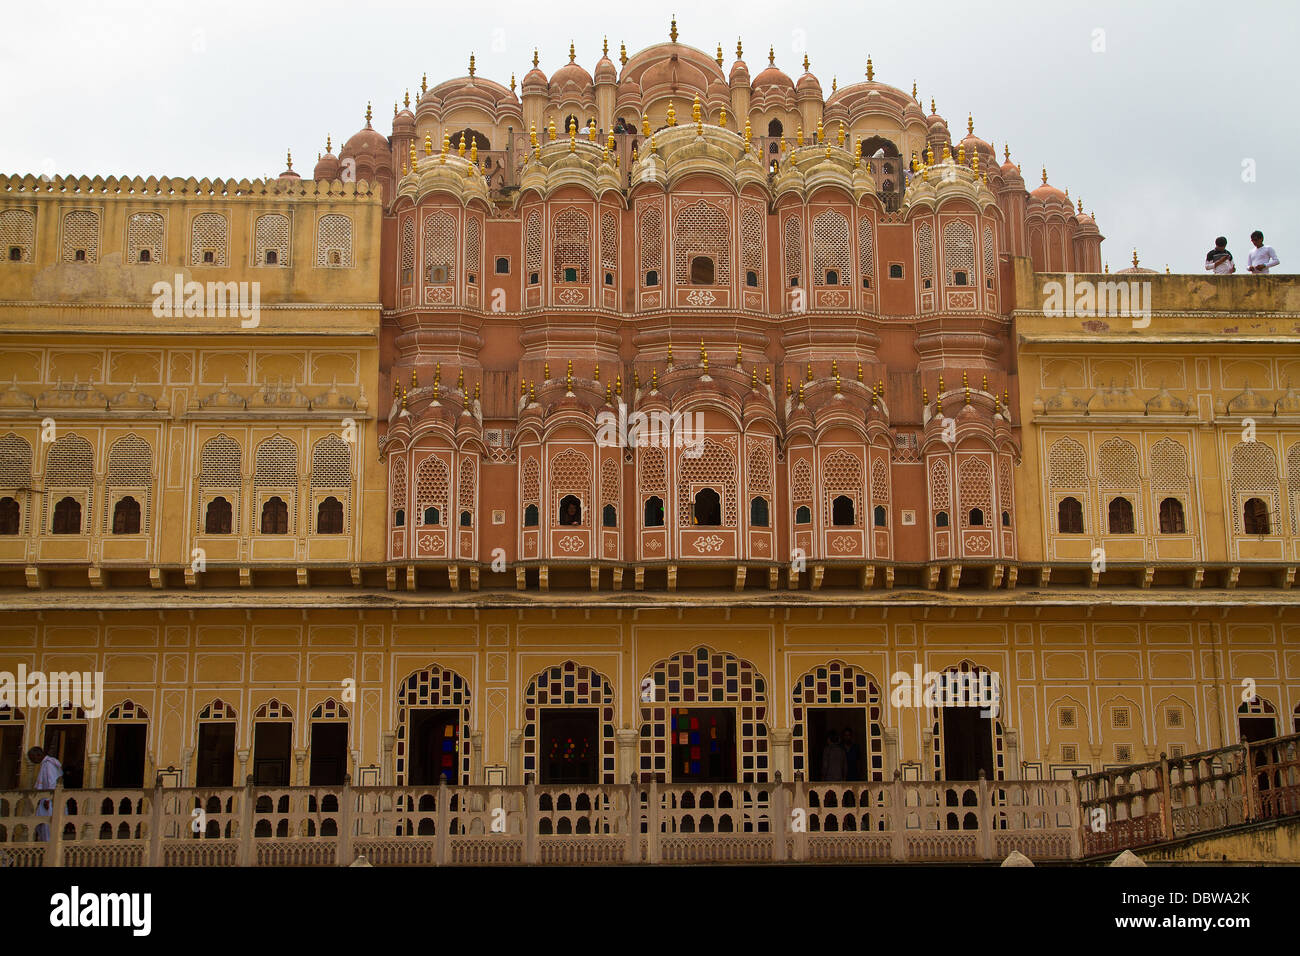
pixel 843 543
pixel 701 297
pixel 654 544
pixel 711 543
pixel 572 296
pixel 571 543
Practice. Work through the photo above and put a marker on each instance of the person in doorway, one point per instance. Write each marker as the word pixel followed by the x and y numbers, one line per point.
pixel 1219 259
pixel 1262 257
pixel 852 756
pixel 832 758
pixel 47 778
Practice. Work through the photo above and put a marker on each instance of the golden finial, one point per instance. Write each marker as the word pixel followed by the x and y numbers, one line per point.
pixel 810 371
pixel 859 371
pixel 424 81
pixel 552 128
pixel 914 89
pixel 397 387
pixel 1135 258
pixel 1044 175
pixel 771 56
pixel 722 118
pixel 1005 395
pixel 975 160
pixel 403 398
pixel 512 83
pixel 604 47
pixel 925 397
pixel 947 151
pixel 968 395
pixel 805 62
pixel 1080 207
pixel 940 384
pixel 1006 152
pixel 394 109
pixel 403 167
pixel 857 159
pixel 609 396
pixel 782 147
pixel 414 162
pixel 706 363
pixel 428 144
pixel 835 367
pixel 933 111
pixel 701 348
pixel 801 393
pixel 961 155
pixel 964 383
pixel 473 151
pixel 532 134
pixel 611 142
pixel 573 55
pixel 654 379
pixel 871 71
pixel 929 155
pixel 753 377
pixel 767 375
pixel 406 100
pixel 821 132
pixel 984 383
pixel 546 371
pixel 622 54
pixel 739 354
pixel 670 355
pixel 591 129
pixel 471 66
pixel 573 135
pixel 719 56
pixel 523 388
pixel 532 392
pixel 534 58
pixel 618 385
pixel 415 382
pixel 596 373
pixel 835 84
pixel 288 158
pixel 460 380
pixel 672 114
pixel 749 132
pixel 970 124
pixel 636 379
pixel 839 136
pixel 368 113
pixel 798 136
pixel 460 147
pixel 788 387
pixel 672 31
pixel 446 147
pixel 653 147
pixel 568 379
pixel 437 373
pixel 740 50
pixel 645 124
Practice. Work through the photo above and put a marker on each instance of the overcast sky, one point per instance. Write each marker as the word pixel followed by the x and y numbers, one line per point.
pixel 1155 113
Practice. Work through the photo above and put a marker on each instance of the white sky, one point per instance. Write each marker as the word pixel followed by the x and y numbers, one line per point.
pixel 1152 133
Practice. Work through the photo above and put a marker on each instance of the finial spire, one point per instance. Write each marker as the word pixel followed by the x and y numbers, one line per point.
pixel 289 159
pixel 672 31
pixel 771 56
pixel 406 100
pixel 740 49
pixel 914 89
pixel 622 54
pixel 368 114
pixel 1006 152
pixel 933 111
pixel 534 58
pixel 573 55
pixel 805 62
pixel 512 83
pixel 424 83
pixel 970 124
pixel 1044 175
pixel 328 149
pixel 719 56
pixel 871 71
pixel 471 66
pixel 604 47
pixel 1135 258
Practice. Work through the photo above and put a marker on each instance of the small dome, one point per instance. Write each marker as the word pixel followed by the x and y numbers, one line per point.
pixel 327 167
pixel 571 78
pixel 772 76
pixel 606 71
pixel 534 80
pixel 404 121
pixel 1049 193
pixel 808 84
pixel 289 173
pixel 1135 269
pixel 366 141
pixel 739 75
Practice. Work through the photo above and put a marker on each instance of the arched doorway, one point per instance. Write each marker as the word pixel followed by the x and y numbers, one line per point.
pixel 569 726
pixel 1257 719
pixel 828 700
pixel 968 733
pixel 705 721
pixel 432 729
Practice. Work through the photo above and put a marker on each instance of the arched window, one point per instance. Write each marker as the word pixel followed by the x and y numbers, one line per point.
pixel 467 519
pixel 654 512
pixel 329 516
pixel 432 516
pixel 1069 516
pixel 878 516
pixel 802 514
pixel 609 516
pixel 774 128
pixel 842 510
pixel 1120 516
pixel 758 513
pixel 1006 519
pixel 941 519
pixel 67 516
pixel 217 517
pixel 1171 516
pixel 701 270
pixel 1255 518
pixel 751 279
pixel 472 137
pixel 976 518
pixel 707 508
pixel 652 277
pixel 399 518
pixel 275 516
pixel 126 516
pixel 9 516
pixel 530 516
pixel 570 510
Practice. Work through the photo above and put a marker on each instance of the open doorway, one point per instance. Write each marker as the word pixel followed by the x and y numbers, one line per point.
pixel 569 745
pixel 124 748
pixel 271 744
pixel 215 766
pixel 1257 720
pixel 837 744
pixel 434 741
pixel 11 756
pixel 704 744
pixel 329 753
pixel 67 744
pixel 967 744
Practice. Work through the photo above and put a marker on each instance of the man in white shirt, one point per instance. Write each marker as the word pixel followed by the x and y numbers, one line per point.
pixel 1262 257
pixel 1219 259
pixel 47 778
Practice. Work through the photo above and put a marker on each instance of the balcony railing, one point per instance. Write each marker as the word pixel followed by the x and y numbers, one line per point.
pixel 930 821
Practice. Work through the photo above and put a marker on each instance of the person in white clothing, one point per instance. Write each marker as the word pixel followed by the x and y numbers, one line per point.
pixel 1219 259
pixel 47 778
pixel 1262 257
